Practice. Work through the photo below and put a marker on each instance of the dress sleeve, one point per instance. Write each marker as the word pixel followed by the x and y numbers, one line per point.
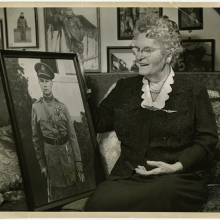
pixel 37 138
pixel 103 114
pixel 206 136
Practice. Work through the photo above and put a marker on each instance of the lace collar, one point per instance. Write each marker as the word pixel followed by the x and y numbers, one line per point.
pixel 159 103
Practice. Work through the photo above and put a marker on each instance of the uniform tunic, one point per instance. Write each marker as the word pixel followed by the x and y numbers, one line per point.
pixel 188 135
pixel 59 160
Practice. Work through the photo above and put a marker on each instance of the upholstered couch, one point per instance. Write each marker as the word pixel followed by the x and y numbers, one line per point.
pixel 12 197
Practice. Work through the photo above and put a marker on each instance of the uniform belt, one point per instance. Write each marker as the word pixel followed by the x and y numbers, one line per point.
pixel 56 141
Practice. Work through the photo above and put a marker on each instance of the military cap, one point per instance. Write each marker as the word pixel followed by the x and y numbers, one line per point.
pixel 44 71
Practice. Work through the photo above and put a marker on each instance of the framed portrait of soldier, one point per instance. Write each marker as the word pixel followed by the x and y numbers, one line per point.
pixel 52 126
pixel 21 27
pixel 75 30
pixel 127 19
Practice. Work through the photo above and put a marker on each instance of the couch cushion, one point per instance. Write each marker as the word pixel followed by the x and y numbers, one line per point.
pixel 213 204
pixel 214 173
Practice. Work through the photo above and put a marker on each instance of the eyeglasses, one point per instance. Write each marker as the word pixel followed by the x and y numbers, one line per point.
pixel 145 51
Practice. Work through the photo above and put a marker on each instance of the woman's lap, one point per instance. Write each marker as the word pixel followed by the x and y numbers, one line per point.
pixel 175 192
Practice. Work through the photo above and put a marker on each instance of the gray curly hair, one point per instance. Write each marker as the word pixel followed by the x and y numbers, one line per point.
pixel 163 29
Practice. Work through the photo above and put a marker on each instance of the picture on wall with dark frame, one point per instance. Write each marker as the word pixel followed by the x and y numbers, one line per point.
pixel 21 26
pixel 128 18
pixel 190 18
pixel 75 30
pixel 1 36
pixel 121 60
pixel 53 128
pixel 198 56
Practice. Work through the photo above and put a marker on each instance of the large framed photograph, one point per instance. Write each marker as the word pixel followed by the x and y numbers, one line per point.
pixel 52 126
pixel 198 56
pixel 75 30
pixel 121 59
pixel 21 26
pixel 127 19
pixel 190 18
pixel 1 36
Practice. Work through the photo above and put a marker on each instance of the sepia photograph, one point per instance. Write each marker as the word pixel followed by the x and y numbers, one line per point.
pixel 190 18
pixel 127 19
pixel 198 56
pixel 116 111
pixel 75 30
pixel 54 132
pixel 21 26
pixel 121 59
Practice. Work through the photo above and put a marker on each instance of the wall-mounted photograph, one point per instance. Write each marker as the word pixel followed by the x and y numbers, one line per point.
pixel 198 56
pixel 190 18
pixel 75 30
pixel 128 18
pixel 21 25
pixel 121 59
pixel 1 36
pixel 54 135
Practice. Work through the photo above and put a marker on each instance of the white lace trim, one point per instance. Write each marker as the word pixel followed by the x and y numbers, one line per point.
pixel 159 103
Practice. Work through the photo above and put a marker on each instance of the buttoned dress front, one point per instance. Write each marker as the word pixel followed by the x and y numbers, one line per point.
pixel 187 135
pixel 59 160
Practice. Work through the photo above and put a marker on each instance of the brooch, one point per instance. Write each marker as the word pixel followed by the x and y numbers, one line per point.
pixel 58 110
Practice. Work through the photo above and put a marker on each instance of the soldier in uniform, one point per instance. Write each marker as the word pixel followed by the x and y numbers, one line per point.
pixel 128 19
pixel 74 32
pixel 55 140
pixel 22 25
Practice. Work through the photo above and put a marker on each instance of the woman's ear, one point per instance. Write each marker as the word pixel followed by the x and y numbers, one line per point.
pixel 168 59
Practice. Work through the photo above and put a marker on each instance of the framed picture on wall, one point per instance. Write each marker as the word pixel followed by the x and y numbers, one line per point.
pixel 52 125
pixel 21 26
pixel 127 19
pixel 190 18
pixel 121 59
pixel 75 30
pixel 198 56
pixel 1 36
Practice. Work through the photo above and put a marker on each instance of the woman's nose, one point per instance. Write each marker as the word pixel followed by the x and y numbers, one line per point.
pixel 139 55
pixel 138 59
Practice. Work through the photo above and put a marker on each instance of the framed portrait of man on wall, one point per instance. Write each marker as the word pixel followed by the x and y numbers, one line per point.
pixel 127 19
pixel 52 126
pixel 75 30
pixel 21 25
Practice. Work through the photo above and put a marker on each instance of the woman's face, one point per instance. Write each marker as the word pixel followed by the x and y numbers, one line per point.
pixel 153 64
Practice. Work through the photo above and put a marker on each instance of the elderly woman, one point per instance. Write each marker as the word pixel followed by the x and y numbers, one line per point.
pixel 166 127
